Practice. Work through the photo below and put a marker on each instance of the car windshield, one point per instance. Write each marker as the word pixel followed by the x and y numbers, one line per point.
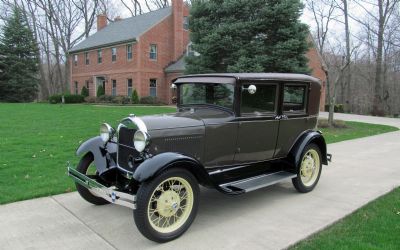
pixel 207 94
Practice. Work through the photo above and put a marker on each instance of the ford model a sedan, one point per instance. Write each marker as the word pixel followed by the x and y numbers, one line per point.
pixel 232 132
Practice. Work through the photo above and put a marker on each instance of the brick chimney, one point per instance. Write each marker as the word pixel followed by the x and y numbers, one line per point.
pixel 101 21
pixel 177 14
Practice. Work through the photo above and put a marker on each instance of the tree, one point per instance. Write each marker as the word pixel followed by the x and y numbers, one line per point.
pixel 248 36
pixel 100 91
pixel 135 97
pixel 19 60
pixel 84 92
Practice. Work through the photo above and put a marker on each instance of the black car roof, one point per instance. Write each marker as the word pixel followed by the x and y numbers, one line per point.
pixel 254 76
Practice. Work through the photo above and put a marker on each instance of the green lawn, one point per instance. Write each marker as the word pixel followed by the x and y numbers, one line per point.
pixel 36 141
pixel 375 226
pixel 355 130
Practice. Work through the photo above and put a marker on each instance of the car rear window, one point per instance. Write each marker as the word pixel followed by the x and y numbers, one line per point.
pixel 294 98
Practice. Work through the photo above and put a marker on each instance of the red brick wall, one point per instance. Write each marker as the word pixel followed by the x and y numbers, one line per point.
pixel 316 65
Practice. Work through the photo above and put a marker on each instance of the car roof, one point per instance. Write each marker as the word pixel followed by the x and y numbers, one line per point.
pixel 252 76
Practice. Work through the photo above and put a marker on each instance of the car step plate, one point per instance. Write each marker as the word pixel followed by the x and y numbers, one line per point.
pixel 257 182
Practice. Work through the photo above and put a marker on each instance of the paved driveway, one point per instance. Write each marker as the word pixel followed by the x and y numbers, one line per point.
pixel 270 218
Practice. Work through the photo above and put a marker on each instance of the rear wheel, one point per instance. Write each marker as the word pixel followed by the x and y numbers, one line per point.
pixel 87 167
pixel 167 205
pixel 310 168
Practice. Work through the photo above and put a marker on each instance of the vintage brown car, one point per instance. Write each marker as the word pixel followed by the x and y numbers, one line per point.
pixel 232 132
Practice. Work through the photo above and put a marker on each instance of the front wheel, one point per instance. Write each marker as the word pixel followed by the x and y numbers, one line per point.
pixel 87 167
pixel 310 169
pixel 167 205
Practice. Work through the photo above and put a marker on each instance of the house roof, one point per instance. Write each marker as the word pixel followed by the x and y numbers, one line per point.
pixel 125 30
pixel 178 66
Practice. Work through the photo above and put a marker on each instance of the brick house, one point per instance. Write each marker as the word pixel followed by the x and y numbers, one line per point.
pixel 145 53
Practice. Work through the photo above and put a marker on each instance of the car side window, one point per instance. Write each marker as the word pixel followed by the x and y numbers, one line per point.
pixel 294 98
pixel 263 102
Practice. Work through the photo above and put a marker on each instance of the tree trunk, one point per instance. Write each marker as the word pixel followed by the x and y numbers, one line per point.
pixel 348 57
pixel 377 104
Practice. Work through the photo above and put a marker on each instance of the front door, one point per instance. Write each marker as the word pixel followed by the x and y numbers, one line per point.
pixel 257 124
pixel 100 81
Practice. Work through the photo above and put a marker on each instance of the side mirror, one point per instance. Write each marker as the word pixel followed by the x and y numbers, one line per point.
pixel 173 86
pixel 252 89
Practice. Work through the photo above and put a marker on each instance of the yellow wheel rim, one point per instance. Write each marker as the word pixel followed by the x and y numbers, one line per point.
pixel 310 167
pixel 170 205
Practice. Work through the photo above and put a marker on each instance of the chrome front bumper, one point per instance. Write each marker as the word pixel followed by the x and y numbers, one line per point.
pixel 98 189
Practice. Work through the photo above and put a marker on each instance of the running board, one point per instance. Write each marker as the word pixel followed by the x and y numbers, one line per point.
pixel 256 182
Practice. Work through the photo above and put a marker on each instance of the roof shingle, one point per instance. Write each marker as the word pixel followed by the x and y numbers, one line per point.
pixel 125 30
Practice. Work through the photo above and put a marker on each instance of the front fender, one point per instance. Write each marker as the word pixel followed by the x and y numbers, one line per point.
pixel 305 139
pixel 101 153
pixel 156 164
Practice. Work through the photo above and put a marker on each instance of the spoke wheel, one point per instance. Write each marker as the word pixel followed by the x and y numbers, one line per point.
pixel 309 170
pixel 167 205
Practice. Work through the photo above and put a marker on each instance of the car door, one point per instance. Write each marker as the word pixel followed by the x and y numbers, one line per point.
pixel 257 124
pixel 294 116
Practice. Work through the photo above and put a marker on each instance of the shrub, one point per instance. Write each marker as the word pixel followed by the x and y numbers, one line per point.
pixel 53 99
pixel 100 91
pixel 105 99
pixel 150 100
pixel 120 99
pixel 135 97
pixel 85 91
pixel 68 98
pixel 339 108
pixel 90 99
pixel 74 98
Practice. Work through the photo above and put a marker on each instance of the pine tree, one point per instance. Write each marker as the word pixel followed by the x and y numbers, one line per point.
pixel 248 36
pixel 84 92
pixel 19 63
pixel 100 91
pixel 135 97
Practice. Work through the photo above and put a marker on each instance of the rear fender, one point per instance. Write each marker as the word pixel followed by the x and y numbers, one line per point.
pixel 306 138
pixel 101 153
pixel 161 162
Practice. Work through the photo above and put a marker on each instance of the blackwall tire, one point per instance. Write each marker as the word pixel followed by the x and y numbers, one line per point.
pixel 167 205
pixel 84 192
pixel 309 169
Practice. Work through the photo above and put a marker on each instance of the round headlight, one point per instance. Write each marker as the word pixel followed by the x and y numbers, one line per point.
pixel 140 140
pixel 106 132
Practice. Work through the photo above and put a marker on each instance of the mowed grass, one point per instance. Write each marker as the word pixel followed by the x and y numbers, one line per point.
pixel 375 226
pixel 36 141
pixel 355 130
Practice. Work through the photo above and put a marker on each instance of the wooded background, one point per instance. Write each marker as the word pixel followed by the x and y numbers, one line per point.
pixel 358 39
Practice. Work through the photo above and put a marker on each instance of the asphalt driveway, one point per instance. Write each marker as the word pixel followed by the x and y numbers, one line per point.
pixel 271 218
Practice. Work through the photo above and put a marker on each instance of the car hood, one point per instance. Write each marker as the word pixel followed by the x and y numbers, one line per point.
pixel 173 120
pixel 186 118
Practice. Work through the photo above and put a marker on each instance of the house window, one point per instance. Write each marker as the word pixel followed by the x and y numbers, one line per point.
pixel 294 98
pixel 114 54
pixel 129 51
pixel 263 102
pixel 153 87
pixel 87 84
pixel 186 23
pixel 87 58
pixel 130 90
pixel 75 60
pixel 114 88
pixel 76 88
pixel 99 56
pixel 190 51
pixel 153 51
